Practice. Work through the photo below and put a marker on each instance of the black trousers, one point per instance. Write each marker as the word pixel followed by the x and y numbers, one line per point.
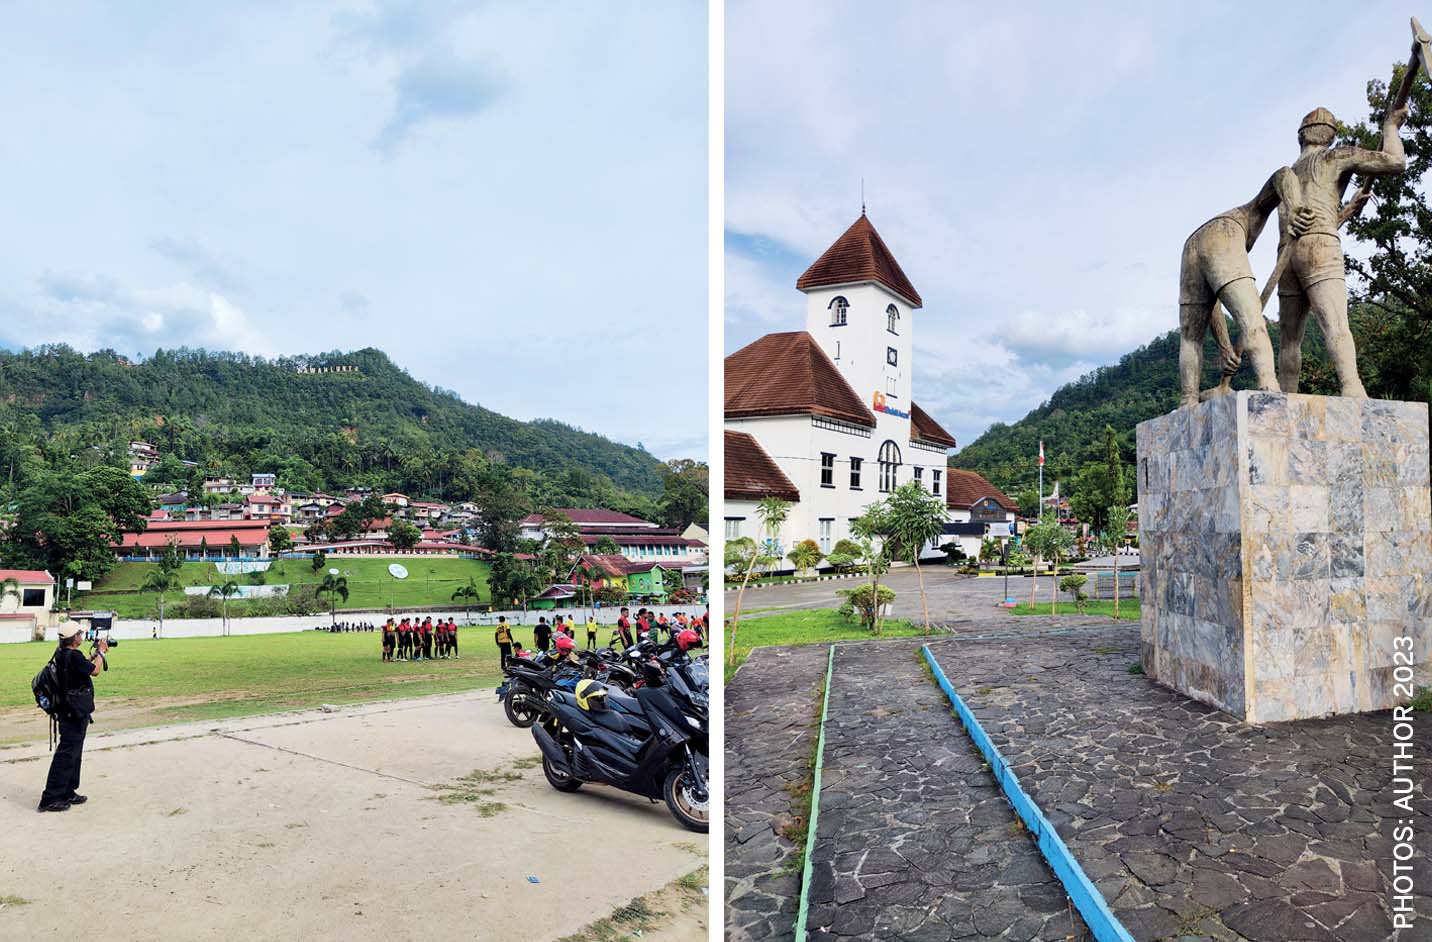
pixel 591 642
pixel 506 650
pixel 64 776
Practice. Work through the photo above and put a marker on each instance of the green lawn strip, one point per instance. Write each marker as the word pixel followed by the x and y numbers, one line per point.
pixel 244 675
pixel 1128 608
pixel 431 581
pixel 808 626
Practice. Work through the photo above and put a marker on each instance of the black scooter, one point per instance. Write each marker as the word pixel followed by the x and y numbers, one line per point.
pixel 653 743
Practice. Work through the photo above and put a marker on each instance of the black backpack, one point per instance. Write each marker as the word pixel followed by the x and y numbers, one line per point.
pixel 49 694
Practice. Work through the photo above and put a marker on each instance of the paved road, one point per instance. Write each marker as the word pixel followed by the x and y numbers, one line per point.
pixel 951 596
pixel 326 826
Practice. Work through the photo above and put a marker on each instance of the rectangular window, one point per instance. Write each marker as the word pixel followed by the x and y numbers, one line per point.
pixel 935 484
pixel 827 469
pixel 826 525
pixel 919 472
pixel 733 528
pixel 892 356
pixel 32 598
pixel 891 388
pixel 855 474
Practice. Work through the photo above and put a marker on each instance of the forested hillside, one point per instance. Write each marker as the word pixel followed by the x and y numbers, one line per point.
pixel 235 414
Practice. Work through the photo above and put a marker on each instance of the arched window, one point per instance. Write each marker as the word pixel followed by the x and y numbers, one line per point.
pixel 889 466
pixel 838 307
pixel 892 319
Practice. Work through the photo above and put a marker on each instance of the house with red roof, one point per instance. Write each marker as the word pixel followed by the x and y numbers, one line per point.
pixel 196 539
pixel 824 417
pixel 978 511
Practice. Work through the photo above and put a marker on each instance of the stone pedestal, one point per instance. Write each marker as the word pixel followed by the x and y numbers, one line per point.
pixel 1285 543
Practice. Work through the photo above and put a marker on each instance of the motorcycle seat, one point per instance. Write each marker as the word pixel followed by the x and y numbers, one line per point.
pixel 620 701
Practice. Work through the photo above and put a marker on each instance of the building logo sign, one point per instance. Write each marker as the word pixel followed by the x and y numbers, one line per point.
pixel 879 406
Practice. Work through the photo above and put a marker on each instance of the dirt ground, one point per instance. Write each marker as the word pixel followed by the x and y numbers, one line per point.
pixel 420 818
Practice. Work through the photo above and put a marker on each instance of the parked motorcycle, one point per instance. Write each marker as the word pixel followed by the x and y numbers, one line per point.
pixel 653 742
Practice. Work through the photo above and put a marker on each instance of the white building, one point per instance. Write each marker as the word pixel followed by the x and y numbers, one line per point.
pixel 824 417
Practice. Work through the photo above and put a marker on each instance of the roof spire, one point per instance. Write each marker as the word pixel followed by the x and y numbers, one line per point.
pixel 862 196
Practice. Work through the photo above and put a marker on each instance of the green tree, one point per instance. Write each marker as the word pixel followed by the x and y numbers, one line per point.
pixel 162 581
pixel 1048 540
pixel 501 504
pixel 223 592
pixel 872 530
pixel 235 549
pixel 671 582
pixel 335 587
pixel 772 513
pixel 403 535
pixel 685 493
pixel 606 546
pixel 320 557
pixel 68 522
pixel 173 559
pixel 280 540
pixel 468 596
pixel 805 555
pixel 916 518
pixel 1118 526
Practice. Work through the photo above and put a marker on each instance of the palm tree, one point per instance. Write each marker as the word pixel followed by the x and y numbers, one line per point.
pixel 915 519
pixel 336 587
pixel 772 512
pixel 468 595
pixel 225 592
pixel 9 586
pixel 161 581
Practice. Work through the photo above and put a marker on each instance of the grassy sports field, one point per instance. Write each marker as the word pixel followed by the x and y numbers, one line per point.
pixel 431 581
pixel 808 626
pixel 174 680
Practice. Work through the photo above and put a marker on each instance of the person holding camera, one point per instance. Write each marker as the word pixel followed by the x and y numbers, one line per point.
pixel 75 712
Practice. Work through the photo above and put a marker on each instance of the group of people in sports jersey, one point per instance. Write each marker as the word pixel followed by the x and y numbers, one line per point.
pixel 412 640
pixel 627 630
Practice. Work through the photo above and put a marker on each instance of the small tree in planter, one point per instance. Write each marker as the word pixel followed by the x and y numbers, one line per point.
pixel 866 603
pixel 1047 540
pixel 1074 585
pixel 916 519
pixel 872 528
pixel 806 554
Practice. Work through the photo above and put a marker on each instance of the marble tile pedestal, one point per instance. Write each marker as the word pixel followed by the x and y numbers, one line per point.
pixel 1286 547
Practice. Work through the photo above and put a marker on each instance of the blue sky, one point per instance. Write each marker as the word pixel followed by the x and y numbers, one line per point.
pixel 1034 169
pixel 510 199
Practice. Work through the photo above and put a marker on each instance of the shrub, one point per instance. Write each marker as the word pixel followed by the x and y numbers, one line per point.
pixel 805 554
pixel 860 603
pixel 1074 585
pixel 954 552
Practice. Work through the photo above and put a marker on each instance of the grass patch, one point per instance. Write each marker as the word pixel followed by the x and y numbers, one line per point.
pixel 1423 700
pixel 181 679
pixel 808 626
pixel 1136 669
pixel 797 829
pixel 370 586
pixel 478 788
pixel 631 920
pixel 1128 608
pixel 14 901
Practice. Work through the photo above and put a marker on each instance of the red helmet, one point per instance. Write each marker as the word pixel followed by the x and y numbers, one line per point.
pixel 687 639
pixel 565 644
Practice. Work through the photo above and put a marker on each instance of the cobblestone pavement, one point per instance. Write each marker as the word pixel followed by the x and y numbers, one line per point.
pixel 916 841
pixel 772 712
pixel 1193 825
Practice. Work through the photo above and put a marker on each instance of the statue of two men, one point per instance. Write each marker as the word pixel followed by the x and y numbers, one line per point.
pixel 1215 267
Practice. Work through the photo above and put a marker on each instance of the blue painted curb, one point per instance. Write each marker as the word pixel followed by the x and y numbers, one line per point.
pixel 813 823
pixel 1085 896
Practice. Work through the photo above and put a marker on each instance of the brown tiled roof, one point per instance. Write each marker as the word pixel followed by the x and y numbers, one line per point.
pixel 859 255
pixel 964 489
pixel 789 374
pixel 751 474
pixel 926 429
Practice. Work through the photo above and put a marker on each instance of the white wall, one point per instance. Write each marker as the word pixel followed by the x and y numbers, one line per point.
pixel 129 628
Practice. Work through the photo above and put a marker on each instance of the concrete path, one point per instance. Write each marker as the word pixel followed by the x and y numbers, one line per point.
pixel 327 826
pixel 916 839
pixel 772 710
pixel 1193 825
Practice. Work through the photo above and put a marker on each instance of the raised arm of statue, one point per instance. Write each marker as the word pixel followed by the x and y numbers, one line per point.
pixel 1390 159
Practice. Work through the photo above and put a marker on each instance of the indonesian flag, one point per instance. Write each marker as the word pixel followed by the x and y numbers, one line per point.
pixel 1041 452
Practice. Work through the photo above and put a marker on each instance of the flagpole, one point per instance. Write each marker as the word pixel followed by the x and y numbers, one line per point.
pixel 1041 480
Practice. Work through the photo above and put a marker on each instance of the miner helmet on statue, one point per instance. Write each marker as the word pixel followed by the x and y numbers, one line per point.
pixel 1318 127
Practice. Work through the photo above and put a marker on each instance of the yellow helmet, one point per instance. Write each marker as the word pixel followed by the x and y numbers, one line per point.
pixel 591 695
